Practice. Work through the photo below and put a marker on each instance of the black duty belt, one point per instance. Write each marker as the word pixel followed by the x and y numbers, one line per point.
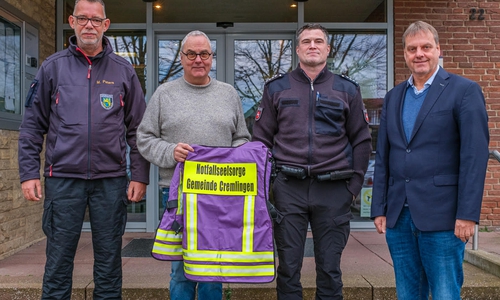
pixel 301 173
pixel 336 175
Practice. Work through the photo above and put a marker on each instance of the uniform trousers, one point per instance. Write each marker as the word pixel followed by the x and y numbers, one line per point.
pixel 66 200
pixel 325 206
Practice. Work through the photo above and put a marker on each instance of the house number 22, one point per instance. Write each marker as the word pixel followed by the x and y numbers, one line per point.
pixel 476 14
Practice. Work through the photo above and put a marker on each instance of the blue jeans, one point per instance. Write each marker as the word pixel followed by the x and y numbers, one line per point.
pixel 425 261
pixel 183 289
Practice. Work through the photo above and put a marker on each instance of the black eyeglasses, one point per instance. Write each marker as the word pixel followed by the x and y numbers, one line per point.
pixel 82 21
pixel 191 55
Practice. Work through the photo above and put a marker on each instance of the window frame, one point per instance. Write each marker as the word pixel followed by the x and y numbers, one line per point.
pixel 28 26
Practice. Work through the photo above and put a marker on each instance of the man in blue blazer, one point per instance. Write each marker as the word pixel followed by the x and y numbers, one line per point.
pixel 432 154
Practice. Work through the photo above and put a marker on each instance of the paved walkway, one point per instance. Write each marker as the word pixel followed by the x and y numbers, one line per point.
pixel 366 265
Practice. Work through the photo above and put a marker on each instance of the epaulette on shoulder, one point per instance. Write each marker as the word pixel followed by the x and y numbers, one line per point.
pixel 349 79
pixel 276 76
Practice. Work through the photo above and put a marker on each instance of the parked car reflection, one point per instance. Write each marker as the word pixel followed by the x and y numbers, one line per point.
pixel 361 205
pixel 368 182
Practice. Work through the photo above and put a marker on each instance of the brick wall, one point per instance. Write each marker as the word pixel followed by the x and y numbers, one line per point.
pixel 470 48
pixel 20 220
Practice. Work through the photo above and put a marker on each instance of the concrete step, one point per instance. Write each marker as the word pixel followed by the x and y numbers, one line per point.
pixel 489 262
pixel 479 285
pixel 366 264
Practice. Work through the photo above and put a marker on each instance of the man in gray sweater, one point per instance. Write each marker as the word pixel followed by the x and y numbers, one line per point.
pixel 194 109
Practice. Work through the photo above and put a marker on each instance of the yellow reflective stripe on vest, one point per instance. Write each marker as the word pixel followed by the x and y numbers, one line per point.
pixel 229 256
pixel 217 270
pixel 248 223
pixel 167 249
pixel 191 215
pixel 168 236
pixel 174 246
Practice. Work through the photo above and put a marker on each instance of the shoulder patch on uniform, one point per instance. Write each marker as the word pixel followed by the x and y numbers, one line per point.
pixel 276 76
pixel 349 79
pixel 259 113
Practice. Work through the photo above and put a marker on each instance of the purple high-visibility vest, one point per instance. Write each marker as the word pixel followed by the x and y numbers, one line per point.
pixel 217 219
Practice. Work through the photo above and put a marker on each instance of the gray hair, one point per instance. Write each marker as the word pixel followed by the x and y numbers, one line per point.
pixel 92 1
pixel 311 27
pixel 417 27
pixel 194 33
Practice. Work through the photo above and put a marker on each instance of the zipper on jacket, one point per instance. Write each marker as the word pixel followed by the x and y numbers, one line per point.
pixel 50 170
pixel 315 98
pixel 89 110
pixel 121 101
pixel 311 120
pixel 88 60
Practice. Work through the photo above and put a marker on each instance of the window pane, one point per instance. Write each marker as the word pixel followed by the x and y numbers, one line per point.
pixel 169 61
pixel 10 67
pixel 359 11
pixel 255 61
pixel 363 57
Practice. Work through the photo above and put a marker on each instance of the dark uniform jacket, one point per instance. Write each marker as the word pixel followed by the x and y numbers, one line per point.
pixel 317 125
pixel 89 109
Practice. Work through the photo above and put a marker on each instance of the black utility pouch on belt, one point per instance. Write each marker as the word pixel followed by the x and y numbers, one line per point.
pixel 299 173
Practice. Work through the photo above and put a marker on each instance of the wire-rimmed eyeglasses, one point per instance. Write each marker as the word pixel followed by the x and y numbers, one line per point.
pixel 82 21
pixel 191 55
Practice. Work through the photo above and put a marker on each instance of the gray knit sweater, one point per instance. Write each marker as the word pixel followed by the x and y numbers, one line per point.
pixel 179 112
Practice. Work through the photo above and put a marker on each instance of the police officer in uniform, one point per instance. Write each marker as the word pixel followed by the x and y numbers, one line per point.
pixel 315 123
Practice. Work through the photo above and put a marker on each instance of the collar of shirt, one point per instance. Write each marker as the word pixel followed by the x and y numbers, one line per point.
pixel 427 84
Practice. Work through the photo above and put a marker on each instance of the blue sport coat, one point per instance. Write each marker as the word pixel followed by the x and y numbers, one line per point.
pixel 441 170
